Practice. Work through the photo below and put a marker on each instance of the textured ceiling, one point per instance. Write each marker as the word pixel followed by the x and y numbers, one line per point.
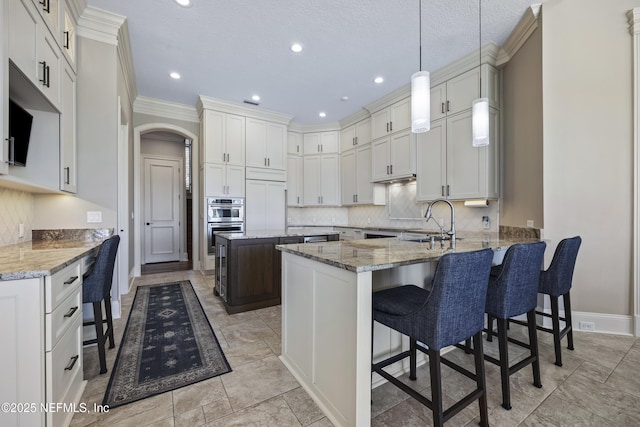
pixel 232 50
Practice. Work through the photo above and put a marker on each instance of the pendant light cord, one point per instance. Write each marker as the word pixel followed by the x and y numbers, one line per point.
pixel 420 30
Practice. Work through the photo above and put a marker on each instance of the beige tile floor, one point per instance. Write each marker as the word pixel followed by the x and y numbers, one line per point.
pixel 599 384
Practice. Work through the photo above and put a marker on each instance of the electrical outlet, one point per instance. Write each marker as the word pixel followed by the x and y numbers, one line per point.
pixel 333 220
pixel 486 224
pixel 94 216
pixel 530 223
pixel 368 220
pixel 587 326
pixel 314 220
pixel 20 231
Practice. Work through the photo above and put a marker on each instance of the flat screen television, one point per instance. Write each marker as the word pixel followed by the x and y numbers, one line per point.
pixel 20 130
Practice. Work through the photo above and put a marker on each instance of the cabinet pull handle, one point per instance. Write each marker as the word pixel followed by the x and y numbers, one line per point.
pixel 12 154
pixel 45 5
pixel 442 107
pixel 387 126
pixel 265 161
pixel 72 363
pixel 448 190
pixel 391 170
pixel 66 172
pixel 71 280
pixel 448 105
pixel 390 126
pixel 66 40
pixel 268 161
pixel 45 73
pixel 71 311
pixel 387 169
pixel 356 198
pixel 442 191
pixel 298 199
pixel 318 148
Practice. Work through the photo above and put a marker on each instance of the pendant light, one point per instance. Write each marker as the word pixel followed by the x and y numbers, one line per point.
pixel 420 93
pixel 480 106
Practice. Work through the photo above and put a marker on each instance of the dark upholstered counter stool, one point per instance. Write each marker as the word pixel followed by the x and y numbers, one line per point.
pixel 512 291
pixel 452 311
pixel 96 289
pixel 556 282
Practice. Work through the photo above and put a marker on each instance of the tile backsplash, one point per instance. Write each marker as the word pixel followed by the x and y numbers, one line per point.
pixel 467 218
pixel 16 207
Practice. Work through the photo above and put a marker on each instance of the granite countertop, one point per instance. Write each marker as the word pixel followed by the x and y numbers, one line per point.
pixel 264 234
pixel 380 254
pixel 38 258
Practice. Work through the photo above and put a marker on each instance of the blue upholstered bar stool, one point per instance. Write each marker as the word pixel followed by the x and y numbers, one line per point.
pixel 96 289
pixel 452 311
pixel 512 291
pixel 556 282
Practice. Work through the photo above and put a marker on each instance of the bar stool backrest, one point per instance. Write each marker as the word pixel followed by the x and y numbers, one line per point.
pixel 455 307
pixel 515 290
pixel 96 284
pixel 556 280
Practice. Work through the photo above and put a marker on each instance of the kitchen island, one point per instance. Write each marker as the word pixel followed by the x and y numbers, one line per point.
pixel 248 265
pixel 326 313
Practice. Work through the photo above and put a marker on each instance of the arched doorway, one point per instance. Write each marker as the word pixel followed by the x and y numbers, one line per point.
pixel 167 132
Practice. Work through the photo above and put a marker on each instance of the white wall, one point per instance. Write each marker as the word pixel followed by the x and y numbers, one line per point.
pixel 588 128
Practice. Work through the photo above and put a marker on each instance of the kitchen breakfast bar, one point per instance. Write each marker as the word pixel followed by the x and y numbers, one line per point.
pixel 327 318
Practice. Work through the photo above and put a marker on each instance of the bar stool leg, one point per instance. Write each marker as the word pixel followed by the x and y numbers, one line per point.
pixel 490 327
pixel 436 387
pixel 533 343
pixel 97 315
pixel 478 354
pixel 555 320
pixel 412 359
pixel 567 314
pixel 107 310
pixel 504 363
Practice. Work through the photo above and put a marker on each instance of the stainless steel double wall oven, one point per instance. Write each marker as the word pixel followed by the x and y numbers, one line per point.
pixel 223 215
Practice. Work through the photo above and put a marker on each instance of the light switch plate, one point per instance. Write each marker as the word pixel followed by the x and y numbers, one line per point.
pixel 94 216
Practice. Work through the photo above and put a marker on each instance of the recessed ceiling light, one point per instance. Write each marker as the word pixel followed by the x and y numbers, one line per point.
pixel 174 75
pixel 322 114
pixel 184 3
pixel 378 79
pixel 344 99
pixel 255 98
pixel 296 47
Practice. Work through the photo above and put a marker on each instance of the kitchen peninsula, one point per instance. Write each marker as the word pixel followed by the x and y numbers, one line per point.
pixel 326 312
pixel 248 265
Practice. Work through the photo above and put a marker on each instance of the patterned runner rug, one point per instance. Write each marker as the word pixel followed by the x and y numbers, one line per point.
pixel 168 343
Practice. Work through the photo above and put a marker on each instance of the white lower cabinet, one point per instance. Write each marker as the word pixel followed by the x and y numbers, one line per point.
pixel 322 180
pixel 449 166
pixel 42 338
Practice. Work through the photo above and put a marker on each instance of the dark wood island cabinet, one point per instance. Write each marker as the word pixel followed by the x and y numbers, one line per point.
pixel 248 268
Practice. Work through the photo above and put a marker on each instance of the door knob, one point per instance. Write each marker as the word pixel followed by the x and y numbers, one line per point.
pixel 149 223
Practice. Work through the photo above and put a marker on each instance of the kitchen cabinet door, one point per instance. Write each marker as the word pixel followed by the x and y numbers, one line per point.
pixel 235 181
pixel 295 180
pixel 294 143
pixel 265 205
pixel 330 179
pixel 224 138
pixel 68 156
pixel 259 284
pixel 380 160
pixel 321 142
pixel 256 143
pixel 431 153
pixel 348 177
pixel 311 184
pixel 276 148
pixel 402 155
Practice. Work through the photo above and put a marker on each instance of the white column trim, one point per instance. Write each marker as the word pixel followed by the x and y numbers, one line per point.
pixel 634 28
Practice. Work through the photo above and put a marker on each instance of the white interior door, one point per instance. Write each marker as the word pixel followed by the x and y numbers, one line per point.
pixel 161 210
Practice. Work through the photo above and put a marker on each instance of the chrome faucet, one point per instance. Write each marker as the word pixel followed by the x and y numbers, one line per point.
pixel 452 231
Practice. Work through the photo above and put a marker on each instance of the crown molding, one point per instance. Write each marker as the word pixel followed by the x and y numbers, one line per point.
pixel 126 61
pixel 520 34
pixel 321 127
pixel 100 25
pixel 207 103
pixel 634 20
pixel 388 99
pixel 75 8
pixel 296 127
pixel 355 118
pixel 166 109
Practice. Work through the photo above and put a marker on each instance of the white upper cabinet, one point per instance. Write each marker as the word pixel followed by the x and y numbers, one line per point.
pixel 68 37
pixel 224 138
pixel 355 178
pixel 394 118
pixel 266 144
pixel 295 180
pixel 393 157
pixel 294 143
pixel 223 180
pixel 449 166
pixel 457 94
pixel 322 180
pixel 68 155
pixel 50 12
pixel 357 134
pixel 321 142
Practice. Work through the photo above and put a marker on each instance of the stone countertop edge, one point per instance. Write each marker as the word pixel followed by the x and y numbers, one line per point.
pixel 380 254
pixel 38 258
pixel 266 234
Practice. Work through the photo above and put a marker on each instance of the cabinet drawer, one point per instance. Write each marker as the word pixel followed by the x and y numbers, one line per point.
pixel 61 319
pixel 60 285
pixel 64 370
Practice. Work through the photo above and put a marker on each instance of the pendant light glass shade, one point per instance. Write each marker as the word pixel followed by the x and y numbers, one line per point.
pixel 480 122
pixel 420 102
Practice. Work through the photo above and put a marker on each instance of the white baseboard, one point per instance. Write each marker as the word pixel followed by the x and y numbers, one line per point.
pixel 604 323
